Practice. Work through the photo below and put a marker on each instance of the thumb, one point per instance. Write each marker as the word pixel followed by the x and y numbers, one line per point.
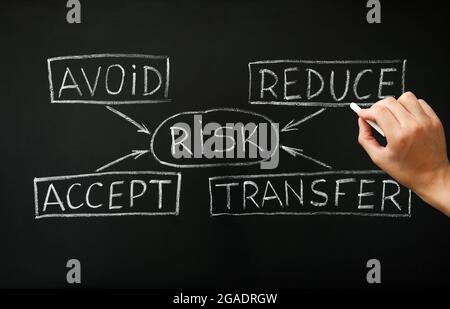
pixel 368 141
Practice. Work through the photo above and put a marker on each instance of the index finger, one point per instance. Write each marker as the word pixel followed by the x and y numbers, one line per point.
pixel 383 117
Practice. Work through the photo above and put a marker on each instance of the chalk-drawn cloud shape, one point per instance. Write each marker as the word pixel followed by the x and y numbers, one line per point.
pixel 160 145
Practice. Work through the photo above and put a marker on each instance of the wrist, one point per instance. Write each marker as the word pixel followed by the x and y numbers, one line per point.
pixel 436 189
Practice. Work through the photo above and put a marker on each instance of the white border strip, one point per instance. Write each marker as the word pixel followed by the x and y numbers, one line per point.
pixel 301 103
pixel 327 61
pixel 105 102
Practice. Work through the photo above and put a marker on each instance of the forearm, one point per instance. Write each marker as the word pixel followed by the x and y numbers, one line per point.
pixel 437 192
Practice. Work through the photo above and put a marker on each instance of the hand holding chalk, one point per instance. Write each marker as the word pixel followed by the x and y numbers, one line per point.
pixel 356 109
pixel 416 153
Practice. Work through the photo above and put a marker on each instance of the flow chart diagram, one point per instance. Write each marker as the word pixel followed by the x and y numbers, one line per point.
pixel 221 137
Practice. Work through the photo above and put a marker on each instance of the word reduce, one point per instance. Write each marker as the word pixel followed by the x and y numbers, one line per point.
pixel 325 83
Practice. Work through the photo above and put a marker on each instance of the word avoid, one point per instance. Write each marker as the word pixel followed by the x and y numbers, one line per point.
pixel 217 137
pixel 109 79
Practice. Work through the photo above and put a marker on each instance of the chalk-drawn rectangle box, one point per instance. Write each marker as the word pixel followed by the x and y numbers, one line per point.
pixel 70 196
pixel 296 82
pixel 109 79
pixel 227 195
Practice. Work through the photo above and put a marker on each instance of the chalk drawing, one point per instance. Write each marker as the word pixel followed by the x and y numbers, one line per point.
pixel 159 160
pixel 124 173
pixel 134 154
pixel 234 181
pixel 291 126
pixel 142 128
pixel 332 100
pixel 92 88
pixel 299 152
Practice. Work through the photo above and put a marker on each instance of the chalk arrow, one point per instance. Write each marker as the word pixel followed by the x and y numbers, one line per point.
pixel 292 151
pixel 299 152
pixel 142 128
pixel 134 154
pixel 291 126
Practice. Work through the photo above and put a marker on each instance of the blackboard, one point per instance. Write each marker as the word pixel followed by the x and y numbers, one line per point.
pixel 90 112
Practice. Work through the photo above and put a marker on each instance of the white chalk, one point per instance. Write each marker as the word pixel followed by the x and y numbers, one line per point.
pixel 356 109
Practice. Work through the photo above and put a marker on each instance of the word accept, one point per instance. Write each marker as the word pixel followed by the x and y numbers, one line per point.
pixel 107 194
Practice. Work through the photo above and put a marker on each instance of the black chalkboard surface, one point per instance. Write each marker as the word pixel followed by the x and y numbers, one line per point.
pixel 175 144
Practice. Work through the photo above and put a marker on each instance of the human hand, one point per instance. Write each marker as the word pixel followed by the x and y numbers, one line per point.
pixel 416 152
